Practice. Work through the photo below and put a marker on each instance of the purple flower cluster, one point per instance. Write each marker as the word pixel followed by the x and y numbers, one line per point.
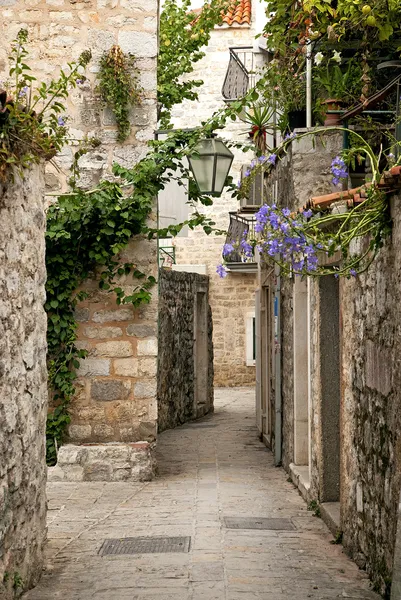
pixel 283 237
pixel 23 92
pixel 290 136
pixel 339 170
pixel 221 271
pixel 246 247
pixel 228 249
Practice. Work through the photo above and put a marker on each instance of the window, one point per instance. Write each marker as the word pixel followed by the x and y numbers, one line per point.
pixel 250 343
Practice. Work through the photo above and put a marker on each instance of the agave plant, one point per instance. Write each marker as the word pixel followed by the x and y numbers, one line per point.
pixel 260 118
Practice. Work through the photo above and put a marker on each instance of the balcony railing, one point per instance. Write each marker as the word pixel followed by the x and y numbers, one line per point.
pixel 240 228
pixel 166 256
pixel 240 76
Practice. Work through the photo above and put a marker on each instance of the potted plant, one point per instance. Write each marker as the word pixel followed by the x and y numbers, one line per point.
pixel 260 120
pixel 337 85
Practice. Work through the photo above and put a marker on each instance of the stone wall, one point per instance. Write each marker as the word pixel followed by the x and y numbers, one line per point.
pixel 354 381
pixel 23 382
pixel 232 298
pixel 116 390
pixel 371 408
pixel 59 30
pixel 116 399
pixel 185 364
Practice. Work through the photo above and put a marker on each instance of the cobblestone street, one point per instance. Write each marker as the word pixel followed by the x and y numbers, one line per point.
pixel 208 471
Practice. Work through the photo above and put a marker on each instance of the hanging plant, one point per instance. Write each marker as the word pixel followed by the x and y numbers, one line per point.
pixel 118 87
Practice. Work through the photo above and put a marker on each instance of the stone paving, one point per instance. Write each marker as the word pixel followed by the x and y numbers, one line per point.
pixel 208 470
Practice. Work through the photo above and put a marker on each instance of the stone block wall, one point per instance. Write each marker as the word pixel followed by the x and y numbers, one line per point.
pixel 116 390
pixel 59 30
pixel 371 409
pixel 233 298
pixel 185 364
pixel 116 399
pixel 23 382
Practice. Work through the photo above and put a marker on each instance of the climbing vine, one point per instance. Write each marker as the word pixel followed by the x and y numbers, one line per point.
pixel 183 37
pixel 118 87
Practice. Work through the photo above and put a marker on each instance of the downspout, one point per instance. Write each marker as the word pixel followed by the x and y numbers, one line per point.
pixel 309 84
pixel 277 370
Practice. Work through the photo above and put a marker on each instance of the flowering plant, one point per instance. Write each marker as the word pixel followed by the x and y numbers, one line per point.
pixel 32 118
pixel 319 241
pixel 335 81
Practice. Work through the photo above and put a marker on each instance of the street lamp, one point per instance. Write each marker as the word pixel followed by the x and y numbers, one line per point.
pixel 210 165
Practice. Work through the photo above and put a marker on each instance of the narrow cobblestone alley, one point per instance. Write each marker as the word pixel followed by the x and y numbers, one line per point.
pixel 209 470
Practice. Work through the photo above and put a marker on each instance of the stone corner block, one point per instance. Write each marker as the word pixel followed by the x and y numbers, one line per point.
pixel 105 462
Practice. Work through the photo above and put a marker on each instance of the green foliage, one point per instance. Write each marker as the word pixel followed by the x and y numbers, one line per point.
pixel 314 507
pixel 17 581
pixel 339 82
pixel 183 35
pixel 32 116
pixel 338 538
pixel 118 87
pixel 85 234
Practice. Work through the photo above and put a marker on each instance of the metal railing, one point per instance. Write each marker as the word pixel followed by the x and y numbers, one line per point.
pixel 240 76
pixel 240 228
pixel 166 256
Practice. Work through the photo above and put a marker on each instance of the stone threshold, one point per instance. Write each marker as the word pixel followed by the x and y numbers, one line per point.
pixel 330 513
pixel 301 479
pixel 133 461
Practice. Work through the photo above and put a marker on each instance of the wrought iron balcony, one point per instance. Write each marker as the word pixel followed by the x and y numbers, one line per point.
pixel 240 76
pixel 240 228
pixel 166 256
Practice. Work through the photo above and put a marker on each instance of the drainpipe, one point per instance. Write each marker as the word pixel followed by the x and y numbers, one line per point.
pixel 277 354
pixel 309 84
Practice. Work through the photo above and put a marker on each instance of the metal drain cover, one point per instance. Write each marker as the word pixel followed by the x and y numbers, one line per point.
pixel 201 425
pixel 258 523
pixel 145 545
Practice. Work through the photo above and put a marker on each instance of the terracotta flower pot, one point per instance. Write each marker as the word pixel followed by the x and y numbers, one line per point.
pixel 332 119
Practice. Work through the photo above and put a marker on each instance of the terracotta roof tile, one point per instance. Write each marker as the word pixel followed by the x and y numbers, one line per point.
pixel 239 13
pixel 390 182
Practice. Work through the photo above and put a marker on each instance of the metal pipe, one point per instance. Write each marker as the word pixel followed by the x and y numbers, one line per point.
pixel 309 84
pixel 277 353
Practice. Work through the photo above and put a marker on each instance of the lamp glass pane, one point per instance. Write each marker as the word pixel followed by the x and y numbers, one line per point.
pixel 202 168
pixel 221 148
pixel 223 167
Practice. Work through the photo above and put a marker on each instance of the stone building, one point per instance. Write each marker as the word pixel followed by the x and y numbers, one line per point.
pixel 232 299
pixel 328 375
pixel 116 390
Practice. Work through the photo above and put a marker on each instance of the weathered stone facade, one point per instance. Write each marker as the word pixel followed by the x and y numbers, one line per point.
pixel 185 363
pixel 232 298
pixel 59 30
pixel 116 399
pixel 352 464
pixel 116 389
pixel 23 382
pixel 371 408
